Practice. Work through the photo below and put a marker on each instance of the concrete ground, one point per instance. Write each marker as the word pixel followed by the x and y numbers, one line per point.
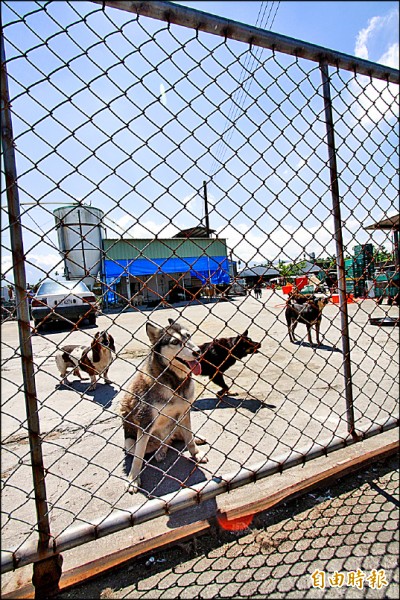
pixel 308 548
pixel 289 397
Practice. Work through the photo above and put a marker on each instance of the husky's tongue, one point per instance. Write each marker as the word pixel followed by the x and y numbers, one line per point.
pixel 195 367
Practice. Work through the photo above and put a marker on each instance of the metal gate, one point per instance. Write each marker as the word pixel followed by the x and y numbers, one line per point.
pixel 202 148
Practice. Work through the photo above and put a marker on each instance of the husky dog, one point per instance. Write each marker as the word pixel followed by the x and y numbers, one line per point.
pixel 156 407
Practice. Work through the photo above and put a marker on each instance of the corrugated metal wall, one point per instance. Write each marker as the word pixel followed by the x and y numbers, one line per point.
pixel 128 249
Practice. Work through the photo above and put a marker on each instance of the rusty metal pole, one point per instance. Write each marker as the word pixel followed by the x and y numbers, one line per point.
pixel 200 21
pixel 339 247
pixel 46 574
pixel 206 209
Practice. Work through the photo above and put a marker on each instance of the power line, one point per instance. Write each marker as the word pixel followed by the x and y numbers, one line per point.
pixel 243 91
pixel 222 146
pixel 243 88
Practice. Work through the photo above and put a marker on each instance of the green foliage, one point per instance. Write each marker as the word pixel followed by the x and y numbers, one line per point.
pixel 290 269
pixel 327 263
pixel 381 255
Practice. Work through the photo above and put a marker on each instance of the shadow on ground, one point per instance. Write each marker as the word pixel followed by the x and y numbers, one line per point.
pixel 174 473
pixel 251 404
pixel 276 553
pixel 103 394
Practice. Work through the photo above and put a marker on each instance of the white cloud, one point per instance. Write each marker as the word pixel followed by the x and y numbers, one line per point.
pixel 391 56
pixel 45 260
pixel 123 223
pixel 247 243
pixel 192 207
pixel 191 201
pixel 361 47
pixel 290 243
pixel 146 229
pixel 284 243
pixel 377 42
pixel 381 33
pixel 6 265
pixel 37 266
pixel 40 266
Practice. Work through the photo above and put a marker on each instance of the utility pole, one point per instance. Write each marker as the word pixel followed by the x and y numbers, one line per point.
pixel 206 209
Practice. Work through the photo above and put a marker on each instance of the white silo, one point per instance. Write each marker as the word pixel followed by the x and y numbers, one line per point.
pixel 80 232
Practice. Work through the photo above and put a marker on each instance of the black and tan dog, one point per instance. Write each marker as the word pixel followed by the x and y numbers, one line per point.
pixel 306 310
pixel 94 360
pixel 221 354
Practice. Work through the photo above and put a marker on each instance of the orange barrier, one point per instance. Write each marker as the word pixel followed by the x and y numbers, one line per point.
pixel 301 282
pixel 349 298
pixel 286 289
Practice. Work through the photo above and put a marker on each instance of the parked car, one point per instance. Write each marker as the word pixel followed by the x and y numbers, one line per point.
pixel 63 301
pixel 237 288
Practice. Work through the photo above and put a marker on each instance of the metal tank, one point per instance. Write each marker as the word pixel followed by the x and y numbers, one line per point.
pixel 80 233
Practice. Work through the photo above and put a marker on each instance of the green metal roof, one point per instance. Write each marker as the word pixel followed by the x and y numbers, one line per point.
pixel 117 249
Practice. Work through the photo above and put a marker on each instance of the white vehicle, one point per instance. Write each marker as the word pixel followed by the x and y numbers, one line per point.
pixel 63 301
pixel 238 287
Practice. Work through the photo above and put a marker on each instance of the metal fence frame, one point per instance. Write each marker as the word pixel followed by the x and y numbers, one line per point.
pixel 47 551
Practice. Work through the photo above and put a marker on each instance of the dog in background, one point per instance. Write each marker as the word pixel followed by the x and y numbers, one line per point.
pixel 221 354
pixel 137 299
pixel 156 407
pixel 307 310
pixel 95 360
pixel 298 298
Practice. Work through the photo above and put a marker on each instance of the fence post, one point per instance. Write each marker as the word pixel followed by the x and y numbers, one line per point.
pixel 341 272
pixel 46 573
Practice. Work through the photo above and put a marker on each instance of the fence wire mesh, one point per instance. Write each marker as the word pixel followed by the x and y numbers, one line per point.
pixel 331 538
pixel 178 161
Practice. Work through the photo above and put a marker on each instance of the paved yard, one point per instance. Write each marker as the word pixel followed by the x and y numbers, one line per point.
pixel 289 397
pixel 350 527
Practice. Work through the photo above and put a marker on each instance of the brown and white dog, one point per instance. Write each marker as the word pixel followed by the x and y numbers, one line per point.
pixel 95 360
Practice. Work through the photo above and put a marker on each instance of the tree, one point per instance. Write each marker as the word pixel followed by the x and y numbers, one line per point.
pixel 326 263
pixel 381 255
pixel 287 270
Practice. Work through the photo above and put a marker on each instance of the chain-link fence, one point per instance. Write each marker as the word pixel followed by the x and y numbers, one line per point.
pixel 225 178
pixel 338 542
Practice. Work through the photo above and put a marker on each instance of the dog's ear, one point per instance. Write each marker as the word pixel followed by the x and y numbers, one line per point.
pixel 171 321
pixel 246 333
pixel 154 332
pixel 96 348
pixel 111 342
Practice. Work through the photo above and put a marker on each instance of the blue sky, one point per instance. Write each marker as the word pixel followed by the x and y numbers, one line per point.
pixel 138 142
pixel 332 24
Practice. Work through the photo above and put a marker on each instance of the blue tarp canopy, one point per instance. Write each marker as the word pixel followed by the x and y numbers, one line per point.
pixel 209 269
